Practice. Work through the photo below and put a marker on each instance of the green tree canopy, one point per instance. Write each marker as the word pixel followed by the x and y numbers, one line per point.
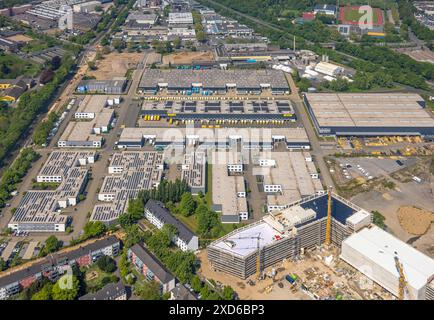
pixel 187 204
pixel 66 288
pixel 148 290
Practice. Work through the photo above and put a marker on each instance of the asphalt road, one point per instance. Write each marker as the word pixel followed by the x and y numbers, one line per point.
pixel 317 152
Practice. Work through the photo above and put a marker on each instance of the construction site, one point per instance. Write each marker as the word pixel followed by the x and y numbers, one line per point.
pixel 322 247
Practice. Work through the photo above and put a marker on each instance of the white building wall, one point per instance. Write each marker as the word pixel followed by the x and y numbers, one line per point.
pixel 386 279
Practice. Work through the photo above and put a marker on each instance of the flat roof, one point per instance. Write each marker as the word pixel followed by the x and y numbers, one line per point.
pixel 292 171
pixel 135 171
pixel 219 109
pixel 225 188
pixel 92 104
pixel 213 78
pixel 222 135
pixel 40 206
pixel 381 247
pixel 194 169
pixel 80 131
pixel 369 110
pixel 60 162
pixel 245 241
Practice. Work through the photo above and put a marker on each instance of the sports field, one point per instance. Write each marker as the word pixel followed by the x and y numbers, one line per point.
pixel 355 16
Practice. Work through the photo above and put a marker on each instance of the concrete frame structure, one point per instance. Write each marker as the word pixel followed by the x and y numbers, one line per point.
pixel 236 253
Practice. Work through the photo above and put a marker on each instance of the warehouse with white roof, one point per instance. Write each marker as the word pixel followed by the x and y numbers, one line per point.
pixel 372 251
pixel 369 114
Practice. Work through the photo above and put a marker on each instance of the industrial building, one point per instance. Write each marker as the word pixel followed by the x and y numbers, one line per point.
pixel 193 171
pixel 285 234
pixel 39 210
pixel 228 187
pixel 222 138
pixel 327 9
pixel 180 18
pixel 378 254
pixel 115 86
pixel 86 7
pixel 92 106
pixel 140 18
pixel 150 267
pixel 158 215
pixel 286 177
pixel 369 114
pixel 221 112
pixel 213 81
pixel 329 69
pixel 217 25
pixel 55 265
pixel 129 172
pixel 93 117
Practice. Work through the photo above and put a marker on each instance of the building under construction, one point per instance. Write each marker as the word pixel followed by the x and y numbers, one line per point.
pixel 286 234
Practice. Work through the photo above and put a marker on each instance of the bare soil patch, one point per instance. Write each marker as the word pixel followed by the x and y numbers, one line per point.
pixel 414 220
pixel 188 57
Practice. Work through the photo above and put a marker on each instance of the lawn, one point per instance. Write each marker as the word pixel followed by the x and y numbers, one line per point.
pixel 208 195
pixel 355 15
pixel 16 67
pixel 94 277
pixel 190 222
pixel 34 46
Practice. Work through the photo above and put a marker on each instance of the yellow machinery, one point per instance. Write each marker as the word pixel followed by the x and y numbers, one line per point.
pixel 328 238
pixel 402 290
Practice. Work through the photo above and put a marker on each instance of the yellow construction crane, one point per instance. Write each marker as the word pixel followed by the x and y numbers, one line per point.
pixel 402 289
pixel 328 238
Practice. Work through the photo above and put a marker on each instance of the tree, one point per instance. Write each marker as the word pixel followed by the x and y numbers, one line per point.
pixel 105 41
pixel 196 283
pixel 339 85
pixel 187 204
pixel 94 229
pixel 118 45
pixel 52 244
pixel 92 65
pixel 5 69
pixel 200 36
pixel 148 290
pixel 207 220
pixel 228 293
pixel 378 219
pixel 46 76
pixel 66 288
pixel 3 264
pixel 44 293
pixel 177 43
pixel 56 61
pixel 106 263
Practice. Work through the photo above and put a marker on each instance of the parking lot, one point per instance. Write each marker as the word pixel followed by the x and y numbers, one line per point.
pixel 372 167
